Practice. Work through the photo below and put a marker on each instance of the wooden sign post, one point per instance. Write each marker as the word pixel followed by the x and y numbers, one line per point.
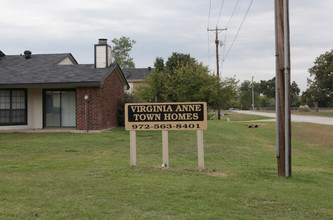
pixel 164 117
pixel 165 148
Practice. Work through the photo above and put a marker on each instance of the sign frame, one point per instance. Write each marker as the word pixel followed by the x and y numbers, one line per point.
pixel 166 116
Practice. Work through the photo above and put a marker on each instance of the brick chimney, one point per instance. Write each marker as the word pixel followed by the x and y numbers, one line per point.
pixel 27 54
pixel 103 56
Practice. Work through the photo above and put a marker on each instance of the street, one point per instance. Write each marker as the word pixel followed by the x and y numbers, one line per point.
pixel 294 118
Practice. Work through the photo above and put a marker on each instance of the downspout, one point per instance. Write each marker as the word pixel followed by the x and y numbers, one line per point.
pixel 286 83
pixel 276 86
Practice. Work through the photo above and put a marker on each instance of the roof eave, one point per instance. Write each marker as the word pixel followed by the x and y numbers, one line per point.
pixel 27 85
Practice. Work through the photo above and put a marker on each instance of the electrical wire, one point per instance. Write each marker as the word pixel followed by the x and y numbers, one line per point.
pixel 234 19
pixel 247 11
pixel 210 5
pixel 220 13
pixel 233 12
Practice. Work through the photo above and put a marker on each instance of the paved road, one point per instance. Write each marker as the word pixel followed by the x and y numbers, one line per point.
pixel 294 118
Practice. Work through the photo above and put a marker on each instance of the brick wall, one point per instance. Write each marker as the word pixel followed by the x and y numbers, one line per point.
pixel 102 104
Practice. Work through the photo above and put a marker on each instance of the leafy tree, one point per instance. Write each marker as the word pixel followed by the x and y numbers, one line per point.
pixel 313 96
pixel 321 82
pixel 188 83
pixel 294 94
pixel 176 60
pixel 184 79
pixel 245 94
pixel 307 97
pixel 228 93
pixel 155 91
pixel 159 64
pixel 267 88
pixel 120 51
pixel 264 101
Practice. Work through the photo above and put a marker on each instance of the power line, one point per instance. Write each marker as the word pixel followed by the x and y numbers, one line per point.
pixel 247 11
pixel 219 13
pixel 236 12
pixel 233 12
pixel 225 36
pixel 210 5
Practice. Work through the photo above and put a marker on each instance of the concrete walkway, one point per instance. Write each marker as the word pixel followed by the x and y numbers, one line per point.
pixel 294 118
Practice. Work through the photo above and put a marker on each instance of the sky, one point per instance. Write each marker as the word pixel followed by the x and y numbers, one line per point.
pixel 161 27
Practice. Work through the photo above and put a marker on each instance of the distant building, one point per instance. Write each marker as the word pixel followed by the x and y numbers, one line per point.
pixel 135 77
pixel 53 91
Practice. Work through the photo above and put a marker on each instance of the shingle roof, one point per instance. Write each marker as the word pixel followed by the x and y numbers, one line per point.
pixel 43 69
pixel 136 73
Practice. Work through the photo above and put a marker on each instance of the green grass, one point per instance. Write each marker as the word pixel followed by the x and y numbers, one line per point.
pixel 88 176
pixel 239 117
pixel 324 113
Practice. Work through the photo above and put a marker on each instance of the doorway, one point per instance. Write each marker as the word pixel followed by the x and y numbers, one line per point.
pixel 59 108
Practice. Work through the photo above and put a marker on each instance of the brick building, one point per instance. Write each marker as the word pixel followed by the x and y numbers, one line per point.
pixel 53 91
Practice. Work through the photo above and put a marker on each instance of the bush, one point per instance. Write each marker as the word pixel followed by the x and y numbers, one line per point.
pixel 128 98
pixel 211 115
pixel 304 108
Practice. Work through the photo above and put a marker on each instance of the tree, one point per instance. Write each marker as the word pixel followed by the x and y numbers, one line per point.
pixel 183 79
pixel 155 90
pixel 313 96
pixel 264 101
pixel 176 60
pixel 159 64
pixel 228 92
pixel 245 94
pixel 294 94
pixel 321 82
pixel 120 52
pixel 267 88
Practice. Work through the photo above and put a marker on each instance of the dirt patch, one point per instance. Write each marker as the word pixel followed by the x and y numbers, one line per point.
pixel 209 172
pixel 218 174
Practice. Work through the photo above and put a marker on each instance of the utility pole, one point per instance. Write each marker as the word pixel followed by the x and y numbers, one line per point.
pixel 252 95
pixel 283 127
pixel 217 67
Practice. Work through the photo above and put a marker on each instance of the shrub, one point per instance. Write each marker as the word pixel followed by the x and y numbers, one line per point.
pixel 128 98
pixel 304 108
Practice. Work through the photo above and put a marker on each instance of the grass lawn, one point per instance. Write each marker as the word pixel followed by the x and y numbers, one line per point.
pixel 326 113
pixel 87 176
pixel 242 117
pixel 321 113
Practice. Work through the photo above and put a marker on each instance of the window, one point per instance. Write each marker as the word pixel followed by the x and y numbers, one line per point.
pixel 13 106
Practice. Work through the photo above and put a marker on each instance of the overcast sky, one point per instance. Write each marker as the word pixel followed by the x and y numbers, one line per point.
pixel 161 27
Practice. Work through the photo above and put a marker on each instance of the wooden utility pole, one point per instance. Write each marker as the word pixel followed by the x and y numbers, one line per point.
pixel 283 128
pixel 217 67
pixel 252 95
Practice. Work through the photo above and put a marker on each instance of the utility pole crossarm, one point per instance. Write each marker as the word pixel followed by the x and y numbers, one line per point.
pixel 217 29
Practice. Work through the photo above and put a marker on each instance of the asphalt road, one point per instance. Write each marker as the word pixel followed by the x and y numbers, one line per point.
pixel 294 118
